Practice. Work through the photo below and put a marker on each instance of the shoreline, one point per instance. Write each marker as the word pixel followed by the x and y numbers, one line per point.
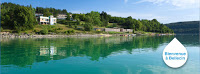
pixel 14 35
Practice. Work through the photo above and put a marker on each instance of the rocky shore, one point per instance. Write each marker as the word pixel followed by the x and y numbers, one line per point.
pixel 14 35
pixel 50 36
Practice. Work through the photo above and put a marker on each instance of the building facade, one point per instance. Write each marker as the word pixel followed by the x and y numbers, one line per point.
pixel 61 16
pixel 127 30
pixel 47 20
pixel 64 16
pixel 99 29
pixel 118 30
pixel 112 29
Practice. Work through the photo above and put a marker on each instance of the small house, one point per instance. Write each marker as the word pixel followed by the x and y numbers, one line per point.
pixel 112 29
pixel 47 20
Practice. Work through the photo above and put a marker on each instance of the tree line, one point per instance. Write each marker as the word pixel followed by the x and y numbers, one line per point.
pixel 50 11
pixel 102 19
pixel 19 18
pixel 22 18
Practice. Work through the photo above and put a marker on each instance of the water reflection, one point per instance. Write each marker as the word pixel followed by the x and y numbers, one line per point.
pixel 25 52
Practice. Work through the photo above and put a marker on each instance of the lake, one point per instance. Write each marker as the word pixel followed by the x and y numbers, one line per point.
pixel 95 55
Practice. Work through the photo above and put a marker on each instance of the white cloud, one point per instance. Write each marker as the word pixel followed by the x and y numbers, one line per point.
pixel 177 3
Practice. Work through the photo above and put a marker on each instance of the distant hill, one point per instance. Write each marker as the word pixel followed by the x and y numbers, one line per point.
pixel 188 27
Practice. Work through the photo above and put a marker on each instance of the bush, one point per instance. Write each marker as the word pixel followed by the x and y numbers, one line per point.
pixel 72 31
pixel 59 28
pixel 26 32
pixel 133 31
pixel 52 26
pixel 114 25
pixel 70 26
pixel 88 27
pixel 78 22
pixel 61 21
pixel 69 32
pixel 99 32
pixel 44 31
pixel 75 26
pixel 1 29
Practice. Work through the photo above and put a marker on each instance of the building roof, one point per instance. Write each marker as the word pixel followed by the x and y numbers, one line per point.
pixel 39 13
pixel 47 17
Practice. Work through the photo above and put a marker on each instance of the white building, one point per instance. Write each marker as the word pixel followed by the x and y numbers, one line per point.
pixel 61 16
pixel 112 29
pixel 47 20
pixel 118 30
pixel 64 16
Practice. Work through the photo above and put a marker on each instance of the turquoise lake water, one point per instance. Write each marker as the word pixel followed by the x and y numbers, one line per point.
pixel 99 55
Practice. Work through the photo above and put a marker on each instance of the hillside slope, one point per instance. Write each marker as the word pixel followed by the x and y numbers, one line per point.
pixel 188 27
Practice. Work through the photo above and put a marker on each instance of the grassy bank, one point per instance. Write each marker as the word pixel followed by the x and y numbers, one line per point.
pixel 62 29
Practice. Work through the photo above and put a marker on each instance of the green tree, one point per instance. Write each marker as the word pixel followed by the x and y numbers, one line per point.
pixel 88 27
pixel 104 18
pixel 88 19
pixel 19 18
pixel 82 17
pixel 68 17
pixel 46 12
pixel 133 31
pixel 129 23
pixel 138 25
pixel 95 17
pixel 114 25
pixel 76 17
pixel 24 19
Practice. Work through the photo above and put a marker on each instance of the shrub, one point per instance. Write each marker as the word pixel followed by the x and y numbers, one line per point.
pixel 34 30
pixel 78 22
pixel 52 26
pixel 44 31
pixel 69 32
pixel 114 25
pixel 70 26
pixel 98 32
pixel 1 29
pixel 26 32
pixel 133 31
pixel 75 26
pixel 59 28
pixel 88 27
pixel 72 31
pixel 51 30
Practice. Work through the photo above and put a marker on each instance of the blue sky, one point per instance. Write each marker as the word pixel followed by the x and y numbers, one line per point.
pixel 165 11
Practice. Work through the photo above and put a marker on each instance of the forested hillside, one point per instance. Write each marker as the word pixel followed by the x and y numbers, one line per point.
pixel 189 27
pixel 17 17
pixel 22 18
